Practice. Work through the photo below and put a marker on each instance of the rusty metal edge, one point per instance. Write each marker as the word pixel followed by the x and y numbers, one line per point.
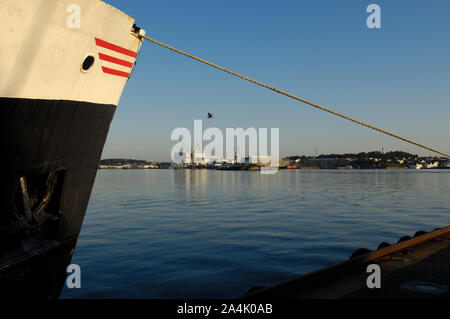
pixel 334 272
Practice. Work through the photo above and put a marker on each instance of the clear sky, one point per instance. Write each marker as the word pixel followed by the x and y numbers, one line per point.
pixel 396 77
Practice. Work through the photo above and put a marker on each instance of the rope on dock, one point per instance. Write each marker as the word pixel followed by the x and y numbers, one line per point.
pixel 295 97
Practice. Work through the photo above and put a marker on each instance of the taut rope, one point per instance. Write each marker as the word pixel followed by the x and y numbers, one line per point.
pixel 296 98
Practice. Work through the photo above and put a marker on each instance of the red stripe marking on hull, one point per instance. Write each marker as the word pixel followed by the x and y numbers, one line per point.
pixel 114 47
pixel 112 59
pixel 115 72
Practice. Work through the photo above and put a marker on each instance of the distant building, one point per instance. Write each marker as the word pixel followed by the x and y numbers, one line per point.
pixel 433 165
pixel 110 166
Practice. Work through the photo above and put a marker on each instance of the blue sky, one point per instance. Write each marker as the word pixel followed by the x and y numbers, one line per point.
pixel 396 77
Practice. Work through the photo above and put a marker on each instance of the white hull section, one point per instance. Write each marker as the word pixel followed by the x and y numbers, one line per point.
pixel 41 54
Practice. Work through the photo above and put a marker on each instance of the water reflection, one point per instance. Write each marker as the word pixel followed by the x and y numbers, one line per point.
pixel 199 233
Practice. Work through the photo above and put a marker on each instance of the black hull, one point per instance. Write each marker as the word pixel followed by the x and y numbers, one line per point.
pixel 49 161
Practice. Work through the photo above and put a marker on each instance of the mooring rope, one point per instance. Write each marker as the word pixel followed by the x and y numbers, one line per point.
pixel 296 98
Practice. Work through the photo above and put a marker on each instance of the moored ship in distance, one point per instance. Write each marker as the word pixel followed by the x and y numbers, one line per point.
pixel 64 65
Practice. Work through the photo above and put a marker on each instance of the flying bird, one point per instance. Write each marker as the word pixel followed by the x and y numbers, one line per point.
pixel 210 115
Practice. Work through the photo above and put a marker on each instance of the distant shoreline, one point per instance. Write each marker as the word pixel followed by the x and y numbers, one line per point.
pixel 369 160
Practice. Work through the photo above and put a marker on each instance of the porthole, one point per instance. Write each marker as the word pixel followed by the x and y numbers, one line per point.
pixel 87 63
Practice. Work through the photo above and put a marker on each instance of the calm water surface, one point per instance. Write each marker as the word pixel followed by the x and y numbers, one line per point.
pixel 202 234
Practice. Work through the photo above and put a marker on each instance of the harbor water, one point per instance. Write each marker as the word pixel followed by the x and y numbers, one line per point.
pixel 215 234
